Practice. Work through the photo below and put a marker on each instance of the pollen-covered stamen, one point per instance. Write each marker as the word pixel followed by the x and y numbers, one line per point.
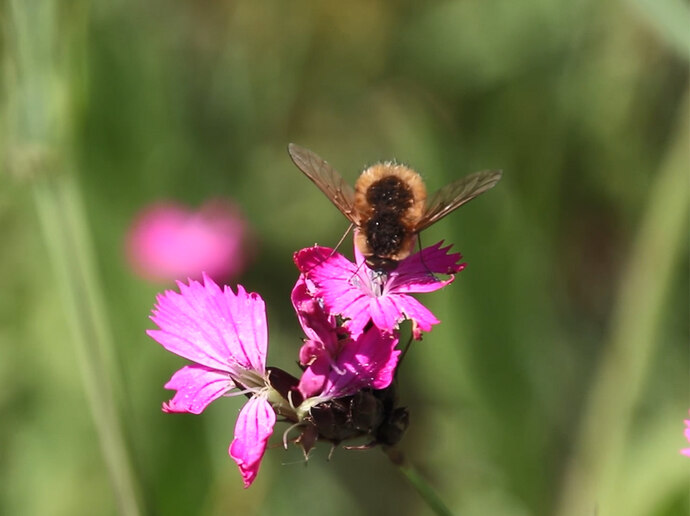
pixel 241 392
pixel 371 281
pixel 250 380
pixel 377 282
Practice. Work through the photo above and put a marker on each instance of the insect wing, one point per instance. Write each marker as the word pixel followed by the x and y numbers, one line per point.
pixel 326 178
pixel 457 193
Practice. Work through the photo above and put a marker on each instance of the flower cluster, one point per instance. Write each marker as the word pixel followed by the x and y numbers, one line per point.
pixel 349 314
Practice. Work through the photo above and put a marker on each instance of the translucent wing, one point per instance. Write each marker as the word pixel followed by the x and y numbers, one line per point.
pixel 326 178
pixel 455 194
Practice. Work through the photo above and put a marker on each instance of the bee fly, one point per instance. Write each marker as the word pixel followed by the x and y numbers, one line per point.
pixel 388 204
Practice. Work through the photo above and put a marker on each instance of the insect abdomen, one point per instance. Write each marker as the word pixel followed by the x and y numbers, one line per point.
pixel 385 233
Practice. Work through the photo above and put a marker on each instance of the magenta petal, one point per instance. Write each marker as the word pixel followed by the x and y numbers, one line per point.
pixel 253 429
pixel 417 312
pixel 309 350
pixel 357 313
pixel 212 327
pixel 196 387
pixel 311 257
pixel 321 263
pixel 417 273
pixel 317 325
pixel 382 355
pixel 369 361
pixel 355 308
pixel 350 303
pixel 343 287
pixel 314 376
pixel 387 312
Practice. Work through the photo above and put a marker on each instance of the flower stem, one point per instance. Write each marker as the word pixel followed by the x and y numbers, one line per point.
pixel 428 494
pixel 61 218
pixel 590 481
pixel 45 41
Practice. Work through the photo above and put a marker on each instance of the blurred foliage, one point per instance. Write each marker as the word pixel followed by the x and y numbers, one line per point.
pixel 578 102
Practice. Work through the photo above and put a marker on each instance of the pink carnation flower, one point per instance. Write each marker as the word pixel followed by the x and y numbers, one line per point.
pixel 335 364
pixel 359 294
pixel 686 451
pixel 226 336
pixel 168 241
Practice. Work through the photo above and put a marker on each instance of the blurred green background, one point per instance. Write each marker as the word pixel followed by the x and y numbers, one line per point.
pixel 558 379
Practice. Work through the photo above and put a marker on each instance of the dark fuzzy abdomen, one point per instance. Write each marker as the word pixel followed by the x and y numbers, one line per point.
pixel 385 233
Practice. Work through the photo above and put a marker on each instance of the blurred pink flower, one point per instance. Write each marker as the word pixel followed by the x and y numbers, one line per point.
pixel 360 294
pixel 226 336
pixel 686 451
pixel 335 364
pixel 169 241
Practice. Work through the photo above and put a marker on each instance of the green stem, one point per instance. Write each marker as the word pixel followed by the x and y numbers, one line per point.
pixel 61 217
pixel 44 38
pixel 590 482
pixel 428 494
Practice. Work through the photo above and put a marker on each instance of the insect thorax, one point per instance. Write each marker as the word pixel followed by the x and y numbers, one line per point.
pixel 390 194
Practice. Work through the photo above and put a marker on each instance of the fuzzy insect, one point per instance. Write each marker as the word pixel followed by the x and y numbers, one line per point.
pixel 389 204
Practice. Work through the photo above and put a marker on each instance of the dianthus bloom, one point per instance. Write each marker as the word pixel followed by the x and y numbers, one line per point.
pixel 225 335
pixel 168 241
pixel 360 294
pixel 335 364
pixel 686 451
